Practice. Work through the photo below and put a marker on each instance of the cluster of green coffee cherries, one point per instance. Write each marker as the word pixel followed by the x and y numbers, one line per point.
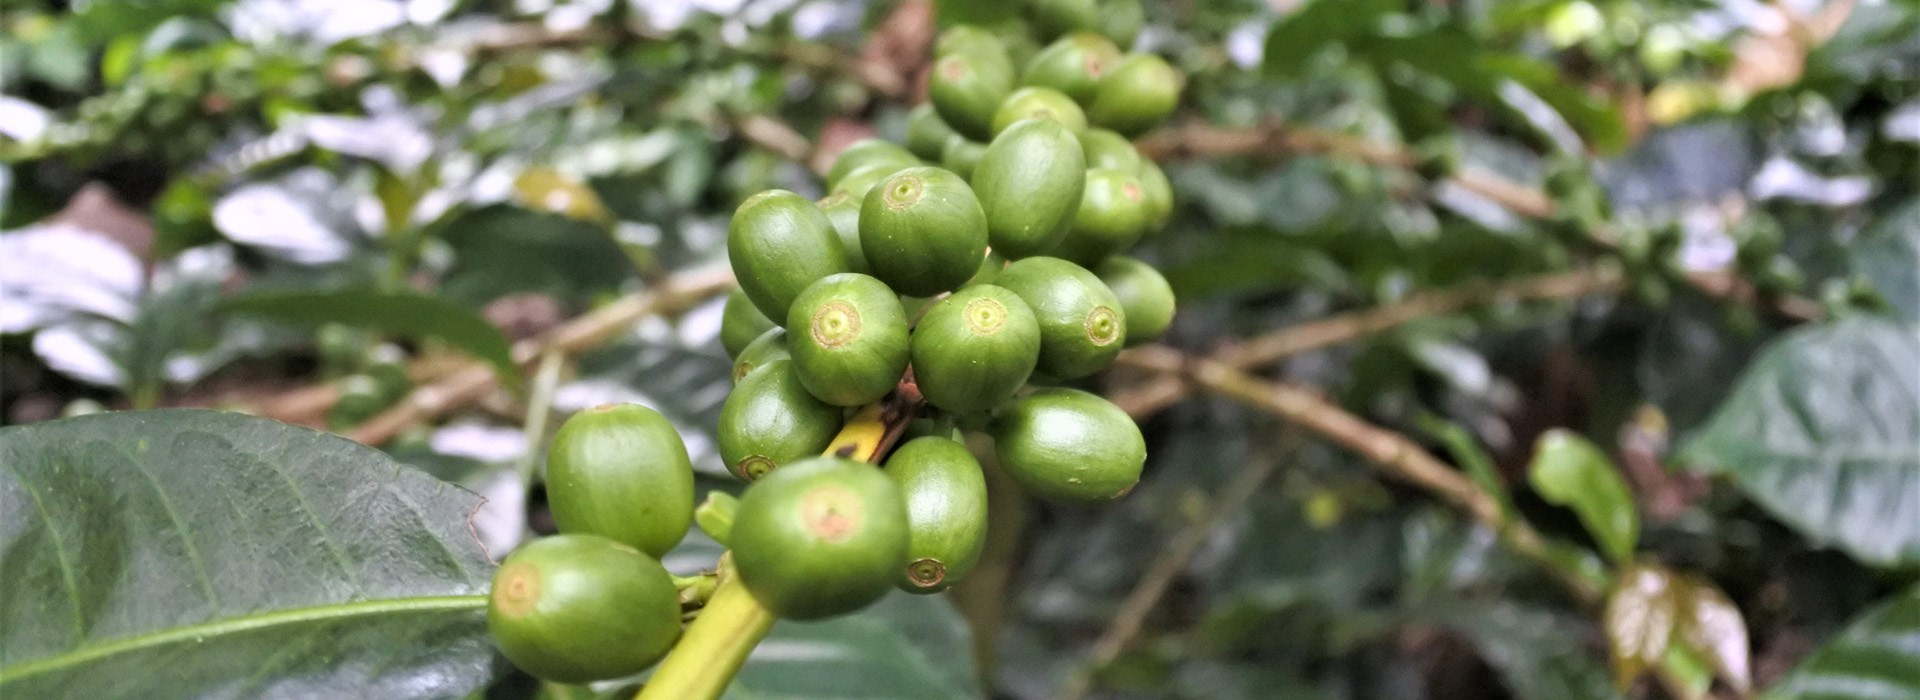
pixel 967 294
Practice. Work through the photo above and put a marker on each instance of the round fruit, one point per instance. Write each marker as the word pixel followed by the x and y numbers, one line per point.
pixel 974 349
pixel 961 155
pixel 1082 326
pixel 770 420
pixel 620 471
pixel 1112 215
pixel 966 87
pixel 1073 65
pixel 1153 181
pixel 922 231
pixel 926 133
pixel 1144 295
pixel 1069 445
pixel 1106 149
pixel 819 537
pixel 741 322
pixel 989 271
pixel 849 339
pixel 868 152
pixel 946 499
pixel 582 608
pixel 966 37
pixel 1137 95
pixel 770 346
pixel 778 243
pixel 843 211
pixel 1039 103
pixel 1121 20
pixel 1057 17
pixel 1029 183
pixel 857 183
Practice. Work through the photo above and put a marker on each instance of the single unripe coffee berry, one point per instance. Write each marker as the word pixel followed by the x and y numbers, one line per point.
pixel 869 152
pixel 819 537
pixel 1068 445
pixel 927 133
pixel 1029 183
pixel 621 471
pixel 741 322
pixel 923 231
pixel 1073 65
pixel 1144 295
pixel 843 210
pixel 582 608
pixel 1111 218
pixel 961 155
pixel 1082 326
pixel 1039 103
pixel 778 243
pixel 848 339
pixel 1137 95
pixel 771 419
pixel 946 499
pixel 1106 148
pixel 967 86
pixel 974 349
pixel 770 346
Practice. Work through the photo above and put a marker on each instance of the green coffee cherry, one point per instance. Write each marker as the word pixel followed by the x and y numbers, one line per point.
pixel 1153 181
pixel 923 231
pixel 961 155
pixel 1082 326
pixel 771 419
pixel 1107 149
pixel 1029 183
pixel 946 500
pixel 848 339
pixel 967 87
pixel 778 243
pixel 843 210
pixel 1144 295
pixel 582 608
pixel 927 133
pixel 966 38
pixel 1137 95
pixel 1112 216
pixel 1068 445
pixel 1073 65
pixel 1121 20
pixel 1039 103
pixel 857 183
pixel 620 471
pixel 820 537
pixel 974 349
pixel 770 346
pixel 741 322
pixel 1056 17
pixel 869 152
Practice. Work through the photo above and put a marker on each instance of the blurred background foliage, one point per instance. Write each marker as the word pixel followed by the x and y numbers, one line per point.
pixel 1644 276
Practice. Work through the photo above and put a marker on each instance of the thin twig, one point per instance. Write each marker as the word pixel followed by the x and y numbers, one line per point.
pixel 1171 560
pixel 463 387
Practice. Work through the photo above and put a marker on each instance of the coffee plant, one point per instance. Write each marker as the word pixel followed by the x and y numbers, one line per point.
pixel 830 349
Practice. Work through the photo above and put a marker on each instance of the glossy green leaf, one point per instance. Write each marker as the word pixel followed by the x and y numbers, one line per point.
pixel 1639 621
pixel 1888 254
pixel 402 313
pixel 1874 658
pixel 502 250
pixel 1300 35
pixel 191 553
pixel 1824 432
pixel 904 646
pixel 1568 470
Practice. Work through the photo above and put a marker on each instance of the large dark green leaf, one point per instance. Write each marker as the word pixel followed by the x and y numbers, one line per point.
pixel 1824 431
pixel 192 553
pixel 403 313
pixel 905 646
pixel 1875 658
pixel 502 250
pixel 1889 255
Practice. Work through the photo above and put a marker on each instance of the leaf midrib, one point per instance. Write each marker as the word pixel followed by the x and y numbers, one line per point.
pixel 236 625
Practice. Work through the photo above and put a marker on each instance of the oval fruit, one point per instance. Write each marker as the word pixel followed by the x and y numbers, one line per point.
pixel 966 37
pixel 1073 65
pixel 966 87
pixel 778 243
pixel 843 211
pixel 1153 181
pixel 974 349
pixel 1082 326
pixel 1121 20
pixel 1056 17
pixel 1108 149
pixel 770 346
pixel 1137 95
pixel 1069 445
pixel 868 152
pixel 819 537
pixel 856 184
pixel 923 231
pixel 1039 103
pixel 741 322
pixel 1144 295
pixel 582 608
pixel 1112 215
pixel 849 339
pixel 961 155
pixel 927 133
pixel 620 471
pixel 770 419
pixel 946 501
pixel 989 271
pixel 1029 183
